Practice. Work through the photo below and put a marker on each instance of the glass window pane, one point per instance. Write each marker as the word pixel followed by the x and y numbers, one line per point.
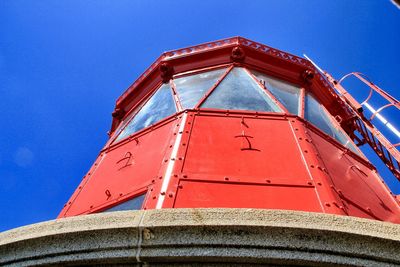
pixel 192 88
pixel 159 106
pixel 286 93
pixel 317 115
pixel 239 91
pixel 132 204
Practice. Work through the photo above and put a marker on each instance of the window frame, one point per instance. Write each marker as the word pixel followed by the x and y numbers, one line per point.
pixel 138 193
pixel 268 92
pixel 204 70
pixel 136 109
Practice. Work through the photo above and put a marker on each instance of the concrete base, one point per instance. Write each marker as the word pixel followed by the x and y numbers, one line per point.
pixel 188 237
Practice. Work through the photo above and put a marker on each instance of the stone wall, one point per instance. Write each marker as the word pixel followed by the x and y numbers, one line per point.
pixel 189 237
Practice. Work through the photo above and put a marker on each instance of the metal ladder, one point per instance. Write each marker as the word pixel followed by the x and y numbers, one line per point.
pixel 365 127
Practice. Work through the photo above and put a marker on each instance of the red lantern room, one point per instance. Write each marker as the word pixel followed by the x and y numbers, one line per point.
pixel 237 124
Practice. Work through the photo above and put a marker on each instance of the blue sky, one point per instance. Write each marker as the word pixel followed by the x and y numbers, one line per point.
pixel 64 63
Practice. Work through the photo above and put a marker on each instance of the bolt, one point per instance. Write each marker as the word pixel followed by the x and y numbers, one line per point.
pixel 170 195
pixel 268 181
pixel 327 204
pixel 226 178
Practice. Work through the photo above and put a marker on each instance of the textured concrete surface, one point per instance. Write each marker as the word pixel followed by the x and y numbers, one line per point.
pixel 188 237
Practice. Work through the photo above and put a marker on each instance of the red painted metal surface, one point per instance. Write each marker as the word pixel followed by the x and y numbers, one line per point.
pixel 233 158
pixel 122 171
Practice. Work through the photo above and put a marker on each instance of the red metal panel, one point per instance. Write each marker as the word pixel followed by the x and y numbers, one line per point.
pixel 359 187
pixel 123 171
pixel 248 147
pixel 198 194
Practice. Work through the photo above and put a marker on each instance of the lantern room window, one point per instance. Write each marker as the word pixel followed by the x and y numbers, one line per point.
pixel 239 91
pixel 316 114
pixel 287 94
pixel 158 107
pixel 192 88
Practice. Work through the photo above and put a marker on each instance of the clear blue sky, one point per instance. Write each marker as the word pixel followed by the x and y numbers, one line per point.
pixel 64 63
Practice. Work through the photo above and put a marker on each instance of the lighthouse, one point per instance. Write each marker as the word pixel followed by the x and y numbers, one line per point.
pixel 233 124
pixel 232 152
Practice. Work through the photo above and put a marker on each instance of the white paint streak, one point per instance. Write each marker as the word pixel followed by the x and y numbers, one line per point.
pixel 171 163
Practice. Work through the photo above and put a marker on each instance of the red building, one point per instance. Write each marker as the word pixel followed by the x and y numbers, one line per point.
pixel 237 124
